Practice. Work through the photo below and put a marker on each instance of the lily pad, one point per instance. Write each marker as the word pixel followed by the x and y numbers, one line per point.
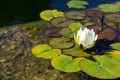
pixel 113 17
pixel 74 15
pixel 66 63
pixel 107 34
pixel 61 22
pixel 77 4
pixel 61 43
pixel 97 29
pixel 94 13
pixel 115 46
pixel 76 51
pixel 75 26
pixel 45 51
pixel 109 8
pixel 104 68
pixel 52 32
pixel 66 32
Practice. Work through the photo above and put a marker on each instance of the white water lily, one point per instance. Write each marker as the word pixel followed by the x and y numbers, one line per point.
pixel 86 38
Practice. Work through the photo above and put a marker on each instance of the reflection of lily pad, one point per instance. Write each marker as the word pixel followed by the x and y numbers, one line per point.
pixel 66 63
pixel 113 17
pixel 106 67
pixel 115 46
pixel 61 22
pixel 76 51
pixel 45 51
pixel 108 34
pixel 109 8
pixel 52 32
pixel 94 13
pixel 77 4
pixel 61 43
pixel 74 15
pixel 96 28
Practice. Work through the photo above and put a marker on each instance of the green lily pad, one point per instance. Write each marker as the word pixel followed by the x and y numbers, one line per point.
pixel 45 51
pixel 115 46
pixel 61 43
pixel 66 63
pixel 77 15
pixel 76 51
pixel 77 4
pixel 109 8
pixel 75 26
pixel 104 67
pixel 66 32
pixel 57 13
pixel 61 22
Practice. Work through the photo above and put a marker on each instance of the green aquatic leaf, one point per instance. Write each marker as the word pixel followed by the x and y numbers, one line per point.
pixel 105 67
pixel 109 8
pixel 117 4
pixel 61 43
pixel 76 51
pixel 75 26
pixel 66 63
pixel 115 46
pixel 66 32
pixel 45 51
pixel 57 13
pixel 77 4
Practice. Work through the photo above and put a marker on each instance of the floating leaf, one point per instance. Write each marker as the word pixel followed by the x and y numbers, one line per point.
pixel 113 17
pixel 105 68
pixel 77 4
pixel 94 13
pixel 107 34
pixel 61 43
pixel 74 15
pixel 117 4
pixel 46 15
pixel 66 63
pixel 115 46
pixel 75 26
pixel 45 51
pixel 61 22
pixel 76 51
pixel 52 32
pixel 67 33
pixel 109 8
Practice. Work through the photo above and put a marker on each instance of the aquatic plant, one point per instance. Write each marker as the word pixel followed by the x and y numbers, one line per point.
pixel 82 41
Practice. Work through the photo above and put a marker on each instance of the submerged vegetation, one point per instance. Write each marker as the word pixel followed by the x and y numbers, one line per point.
pixel 86 41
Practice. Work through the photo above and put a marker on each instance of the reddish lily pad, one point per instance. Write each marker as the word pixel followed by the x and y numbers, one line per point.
pixel 108 34
pixel 74 15
pixel 52 32
pixel 94 13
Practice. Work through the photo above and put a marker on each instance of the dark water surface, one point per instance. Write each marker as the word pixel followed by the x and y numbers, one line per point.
pixel 21 11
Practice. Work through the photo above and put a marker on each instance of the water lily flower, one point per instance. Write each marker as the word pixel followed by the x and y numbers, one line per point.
pixel 86 38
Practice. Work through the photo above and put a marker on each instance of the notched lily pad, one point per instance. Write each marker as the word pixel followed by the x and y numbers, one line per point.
pixel 94 13
pixel 52 32
pixel 107 34
pixel 61 22
pixel 74 15
pixel 45 51
pixel 105 67
pixel 77 4
pixel 76 51
pixel 115 46
pixel 61 43
pixel 66 63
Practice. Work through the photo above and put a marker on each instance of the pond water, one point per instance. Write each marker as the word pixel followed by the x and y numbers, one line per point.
pixel 21 11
